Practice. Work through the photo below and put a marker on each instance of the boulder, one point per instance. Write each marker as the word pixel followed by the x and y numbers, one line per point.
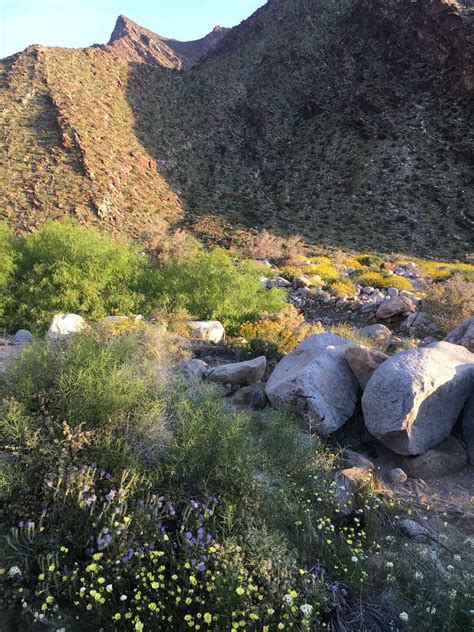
pixel 397 476
pixel 252 396
pixel 379 334
pixel 316 381
pixel 347 482
pixel 64 325
pixel 414 398
pixel 448 457
pixel 242 373
pixel 394 306
pixel 23 337
pixel 355 459
pixel 463 335
pixel 363 363
pixel 468 428
pixel 192 371
pixel 207 330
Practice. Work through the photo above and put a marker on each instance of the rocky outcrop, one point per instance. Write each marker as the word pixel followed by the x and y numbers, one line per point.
pixel 414 399
pixel 241 373
pixel 64 325
pixel 316 381
pixel 363 363
pixel 463 335
pixel 380 335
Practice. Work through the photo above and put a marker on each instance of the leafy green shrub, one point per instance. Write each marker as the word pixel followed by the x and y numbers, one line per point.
pixel 377 279
pixel 449 304
pixel 64 267
pixel 212 287
pixel 7 265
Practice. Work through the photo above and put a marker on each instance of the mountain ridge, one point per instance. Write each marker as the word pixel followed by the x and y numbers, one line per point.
pixel 346 121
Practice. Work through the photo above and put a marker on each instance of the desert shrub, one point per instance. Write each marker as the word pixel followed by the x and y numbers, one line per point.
pixel 343 288
pixel 212 286
pixel 377 279
pixel 448 304
pixel 370 260
pixel 280 250
pixel 277 335
pixel 64 267
pixel 7 264
pixel 168 246
pixel 100 379
pixel 351 333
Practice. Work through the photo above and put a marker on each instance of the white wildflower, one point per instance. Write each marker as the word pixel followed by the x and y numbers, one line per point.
pixel 403 616
pixel 288 599
pixel 354 559
pixel 457 558
pixel 14 571
pixel 306 609
pixel 123 598
pixel 389 564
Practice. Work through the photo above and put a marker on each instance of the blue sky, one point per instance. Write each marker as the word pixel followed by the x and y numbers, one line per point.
pixel 85 22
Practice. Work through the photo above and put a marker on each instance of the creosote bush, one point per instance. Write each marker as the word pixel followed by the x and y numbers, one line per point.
pixel 379 280
pixel 448 304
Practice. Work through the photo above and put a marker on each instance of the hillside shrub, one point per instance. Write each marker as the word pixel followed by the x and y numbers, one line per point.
pixel 7 265
pixel 212 287
pixel 377 279
pixel 281 250
pixel 343 289
pixel 64 267
pixel 370 260
pixel 276 336
pixel 450 303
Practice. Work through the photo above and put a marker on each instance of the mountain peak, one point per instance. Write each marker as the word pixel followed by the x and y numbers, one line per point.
pixel 136 43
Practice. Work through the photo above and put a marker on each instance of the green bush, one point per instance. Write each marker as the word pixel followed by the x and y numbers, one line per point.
pixel 68 268
pixel 7 264
pixel 212 287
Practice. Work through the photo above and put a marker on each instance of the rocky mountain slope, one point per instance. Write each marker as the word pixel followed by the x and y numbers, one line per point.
pixel 349 121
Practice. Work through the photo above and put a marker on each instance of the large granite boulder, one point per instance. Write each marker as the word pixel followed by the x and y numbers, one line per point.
pixel 414 398
pixel 241 373
pixel 316 381
pixel 363 362
pixel 463 335
pixel 64 325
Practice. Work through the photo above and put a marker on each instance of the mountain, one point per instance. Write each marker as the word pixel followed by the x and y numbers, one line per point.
pixel 349 121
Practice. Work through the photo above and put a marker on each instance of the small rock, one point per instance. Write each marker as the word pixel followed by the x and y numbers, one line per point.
pixel 414 530
pixel 64 325
pixel 354 459
pixel 394 306
pixel 258 399
pixel 463 335
pixel 392 291
pixel 397 475
pixel 248 372
pixel 192 371
pixel 208 330
pixel 380 334
pixel 347 483
pixel 23 337
pixel 364 362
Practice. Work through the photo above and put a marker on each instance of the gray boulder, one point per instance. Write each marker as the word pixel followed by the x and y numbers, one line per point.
pixel 207 330
pixel 347 482
pixel 192 371
pixel 316 381
pixel 363 362
pixel 414 530
pixel 414 398
pixel 23 337
pixel 463 335
pixel 241 373
pixel 64 325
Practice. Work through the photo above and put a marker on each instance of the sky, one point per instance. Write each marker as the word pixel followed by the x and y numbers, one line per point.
pixel 78 23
